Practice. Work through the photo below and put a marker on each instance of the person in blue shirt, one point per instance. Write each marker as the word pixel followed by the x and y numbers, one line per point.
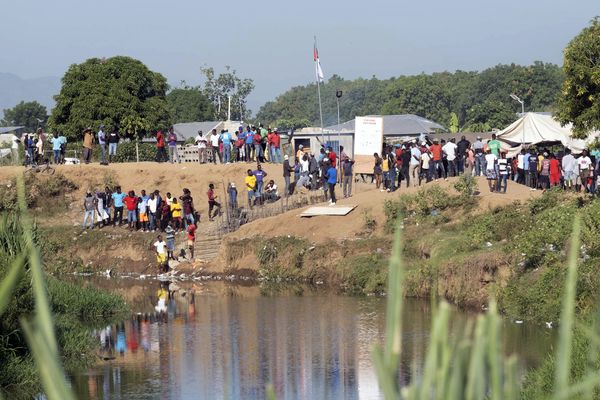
pixel 260 175
pixel 249 135
pixel 331 181
pixel 226 139
pixel 56 147
pixel 117 198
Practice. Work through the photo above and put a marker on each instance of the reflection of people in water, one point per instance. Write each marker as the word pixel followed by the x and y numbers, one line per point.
pixel 121 343
pixel 191 307
pixel 163 296
pixel 106 343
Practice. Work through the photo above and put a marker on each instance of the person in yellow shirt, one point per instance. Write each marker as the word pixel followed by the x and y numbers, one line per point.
pixel 250 182
pixel 176 213
pixel 385 167
pixel 300 152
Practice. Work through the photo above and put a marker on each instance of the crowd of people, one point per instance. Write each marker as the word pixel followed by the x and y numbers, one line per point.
pixel 416 162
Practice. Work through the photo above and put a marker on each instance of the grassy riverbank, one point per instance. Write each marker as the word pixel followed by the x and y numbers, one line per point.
pixel 453 250
pixel 76 310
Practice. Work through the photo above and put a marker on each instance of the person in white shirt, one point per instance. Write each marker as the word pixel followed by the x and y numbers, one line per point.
pixel 14 149
pixel 425 158
pixel 450 150
pixel 490 169
pixel 214 145
pixel 152 207
pixel 201 143
pixel 161 253
pixel 415 164
pixel 568 164
pixel 584 163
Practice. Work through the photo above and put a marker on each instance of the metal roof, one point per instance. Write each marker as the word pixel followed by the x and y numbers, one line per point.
pixel 395 125
pixel 188 130
pixel 9 129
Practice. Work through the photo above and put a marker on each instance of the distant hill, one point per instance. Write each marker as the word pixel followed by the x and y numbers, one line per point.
pixel 14 89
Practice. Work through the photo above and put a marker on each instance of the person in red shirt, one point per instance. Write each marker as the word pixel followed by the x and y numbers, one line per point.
pixel 191 238
pixel 436 162
pixel 276 148
pixel 332 156
pixel 212 202
pixel 161 154
pixel 554 171
pixel 131 202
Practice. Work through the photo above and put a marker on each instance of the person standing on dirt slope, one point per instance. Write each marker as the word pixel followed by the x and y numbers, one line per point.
pixel 250 182
pixel 214 147
pixel 504 170
pixel 461 154
pixel 287 171
pixel 113 141
pixel 89 206
pixel 161 155
pixel 187 202
pixel 102 143
pixel 152 209
pixel 415 164
pixel 161 254
pixel 191 239
pixel 348 175
pixel 88 145
pixel 449 150
pixel 143 210
pixel 170 234
pixel 172 142
pixel 490 169
pixel 331 181
pixel 232 192
pixel 260 176
pixel 479 157
pixel 118 198
pixel 108 202
pixel 212 203
pixel 176 214
pixel 131 203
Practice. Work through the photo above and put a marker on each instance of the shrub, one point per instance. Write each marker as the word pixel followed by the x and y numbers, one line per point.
pixel 466 185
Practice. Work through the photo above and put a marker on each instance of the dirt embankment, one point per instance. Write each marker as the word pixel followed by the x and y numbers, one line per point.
pixel 350 251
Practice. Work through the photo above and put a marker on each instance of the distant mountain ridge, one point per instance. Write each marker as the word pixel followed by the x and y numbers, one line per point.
pixel 14 89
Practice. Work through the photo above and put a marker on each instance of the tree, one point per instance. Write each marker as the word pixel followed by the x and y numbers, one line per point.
pixel 218 89
pixel 189 104
pixel 579 102
pixel 29 114
pixel 109 91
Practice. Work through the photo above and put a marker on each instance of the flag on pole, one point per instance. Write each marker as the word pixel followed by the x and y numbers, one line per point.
pixel 318 70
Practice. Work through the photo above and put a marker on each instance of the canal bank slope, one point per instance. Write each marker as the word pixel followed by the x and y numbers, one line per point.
pixel 464 249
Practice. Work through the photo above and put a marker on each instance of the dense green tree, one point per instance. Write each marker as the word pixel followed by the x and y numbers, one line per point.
pixel 189 104
pixel 29 114
pixel 579 102
pixel 475 99
pixel 218 89
pixel 107 91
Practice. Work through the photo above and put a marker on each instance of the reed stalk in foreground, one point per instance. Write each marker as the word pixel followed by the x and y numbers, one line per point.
pixel 39 330
pixel 474 366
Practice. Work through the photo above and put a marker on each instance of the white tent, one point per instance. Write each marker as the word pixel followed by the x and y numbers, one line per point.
pixel 533 128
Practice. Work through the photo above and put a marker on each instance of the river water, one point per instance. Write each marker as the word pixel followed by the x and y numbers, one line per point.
pixel 230 341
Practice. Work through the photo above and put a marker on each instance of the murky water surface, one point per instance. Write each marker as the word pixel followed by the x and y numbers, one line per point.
pixel 230 341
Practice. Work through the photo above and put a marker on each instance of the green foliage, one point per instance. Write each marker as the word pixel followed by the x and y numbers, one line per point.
pixel 427 203
pixel 453 126
pixel 189 104
pixel 27 114
pixel 126 152
pixel 110 91
pixel 478 100
pixel 29 338
pixel 364 274
pixel 292 123
pixel 39 191
pixel 218 88
pixel 579 101
pixel 466 185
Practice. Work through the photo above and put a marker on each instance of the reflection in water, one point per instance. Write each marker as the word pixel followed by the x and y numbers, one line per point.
pixel 208 346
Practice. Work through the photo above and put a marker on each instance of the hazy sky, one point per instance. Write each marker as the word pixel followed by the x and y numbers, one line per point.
pixel 271 41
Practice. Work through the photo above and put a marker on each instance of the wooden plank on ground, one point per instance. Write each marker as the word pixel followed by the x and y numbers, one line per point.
pixel 327 210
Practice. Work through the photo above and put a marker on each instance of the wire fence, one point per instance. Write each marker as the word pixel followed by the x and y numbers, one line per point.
pixel 233 218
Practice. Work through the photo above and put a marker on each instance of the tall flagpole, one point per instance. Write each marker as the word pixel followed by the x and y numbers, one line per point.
pixel 319 91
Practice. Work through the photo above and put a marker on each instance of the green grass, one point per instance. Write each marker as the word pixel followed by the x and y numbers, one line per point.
pixel 473 365
pixel 44 324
